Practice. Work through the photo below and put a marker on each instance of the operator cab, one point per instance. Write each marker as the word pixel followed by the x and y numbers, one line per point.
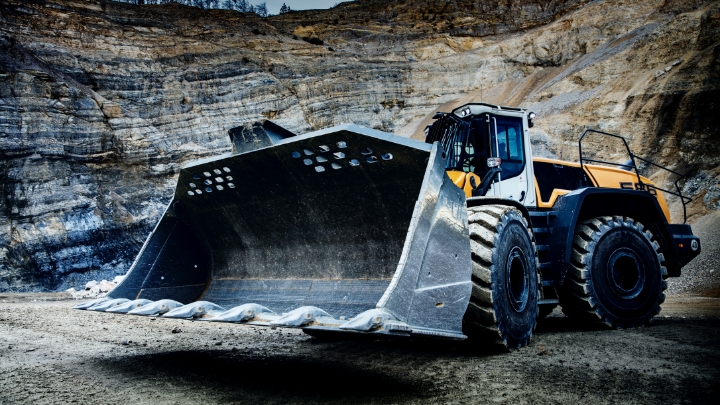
pixel 476 138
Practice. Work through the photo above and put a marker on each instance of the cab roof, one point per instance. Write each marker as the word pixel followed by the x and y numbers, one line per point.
pixel 480 108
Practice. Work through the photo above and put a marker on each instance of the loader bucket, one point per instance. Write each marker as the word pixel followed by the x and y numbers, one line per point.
pixel 345 229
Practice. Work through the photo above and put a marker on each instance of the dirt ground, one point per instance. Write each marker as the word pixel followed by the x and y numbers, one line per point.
pixel 51 354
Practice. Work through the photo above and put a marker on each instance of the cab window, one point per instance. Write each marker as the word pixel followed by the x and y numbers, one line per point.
pixel 510 146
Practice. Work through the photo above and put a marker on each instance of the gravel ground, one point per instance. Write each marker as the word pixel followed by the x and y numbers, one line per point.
pixel 702 275
pixel 51 354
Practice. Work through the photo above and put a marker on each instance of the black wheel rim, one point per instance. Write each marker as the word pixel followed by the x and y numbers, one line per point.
pixel 516 279
pixel 626 273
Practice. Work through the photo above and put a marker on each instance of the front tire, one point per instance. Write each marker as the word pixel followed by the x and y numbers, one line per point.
pixel 615 275
pixel 504 301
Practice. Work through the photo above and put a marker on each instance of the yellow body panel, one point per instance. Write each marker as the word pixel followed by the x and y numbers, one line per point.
pixel 604 176
pixel 462 180
pixel 555 194
pixel 600 176
pixel 457 177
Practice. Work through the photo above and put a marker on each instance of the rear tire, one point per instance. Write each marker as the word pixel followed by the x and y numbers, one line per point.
pixel 504 302
pixel 615 275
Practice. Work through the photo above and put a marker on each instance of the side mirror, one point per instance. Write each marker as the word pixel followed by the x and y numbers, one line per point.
pixel 438 115
pixel 494 162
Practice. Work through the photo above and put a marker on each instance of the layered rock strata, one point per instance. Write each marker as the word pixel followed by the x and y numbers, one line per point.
pixel 102 102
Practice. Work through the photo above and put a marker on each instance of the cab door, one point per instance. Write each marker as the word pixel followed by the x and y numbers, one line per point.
pixel 508 142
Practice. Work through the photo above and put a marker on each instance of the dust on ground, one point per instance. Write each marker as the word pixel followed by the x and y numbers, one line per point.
pixel 52 354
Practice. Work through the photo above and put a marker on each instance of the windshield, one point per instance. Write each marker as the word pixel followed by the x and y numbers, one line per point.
pixel 464 143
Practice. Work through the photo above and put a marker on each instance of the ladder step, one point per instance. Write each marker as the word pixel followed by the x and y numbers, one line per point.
pixel 541 230
pixel 548 301
pixel 543 213
pixel 548 283
pixel 542 248
pixel 545 265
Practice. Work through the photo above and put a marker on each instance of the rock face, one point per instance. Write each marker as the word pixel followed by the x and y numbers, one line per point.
pixel 102 102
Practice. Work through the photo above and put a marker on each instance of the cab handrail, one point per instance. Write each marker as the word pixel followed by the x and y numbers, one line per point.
pixel 632 164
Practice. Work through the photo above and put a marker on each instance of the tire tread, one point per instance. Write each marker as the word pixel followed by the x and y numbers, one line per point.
pixel 485 224
pixel 576 294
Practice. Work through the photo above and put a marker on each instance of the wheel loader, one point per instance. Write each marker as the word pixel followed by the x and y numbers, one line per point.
pixel 357 231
